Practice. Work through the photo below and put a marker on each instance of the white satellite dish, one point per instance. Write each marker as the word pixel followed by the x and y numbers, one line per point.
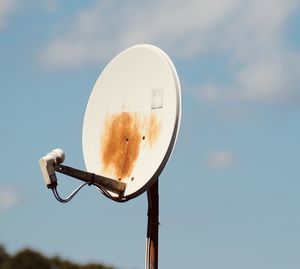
pixel 132 119
pixel 129 131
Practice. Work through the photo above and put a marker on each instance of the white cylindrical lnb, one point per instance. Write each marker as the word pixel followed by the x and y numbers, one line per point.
pixel 47 164
pixel 58 155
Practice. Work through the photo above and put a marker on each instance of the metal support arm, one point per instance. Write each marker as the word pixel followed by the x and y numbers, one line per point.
pixel 52 162
pixel 93 179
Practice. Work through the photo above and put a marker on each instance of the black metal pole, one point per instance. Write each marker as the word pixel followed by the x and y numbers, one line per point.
pixel 152 228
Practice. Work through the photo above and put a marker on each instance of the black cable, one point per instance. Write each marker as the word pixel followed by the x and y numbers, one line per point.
pixel 70 197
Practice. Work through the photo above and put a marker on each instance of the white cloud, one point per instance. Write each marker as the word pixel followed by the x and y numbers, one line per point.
pixel 7 8
pixel 183 27
pixel 221 159
pixel 9 197
pixel 252 32
pixel 49 5
pixel 209 92
pixel 270 79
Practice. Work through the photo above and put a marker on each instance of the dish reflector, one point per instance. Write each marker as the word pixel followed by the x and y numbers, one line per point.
pixel 132 118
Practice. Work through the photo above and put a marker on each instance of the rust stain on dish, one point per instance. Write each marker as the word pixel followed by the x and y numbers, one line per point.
pixel 154 129
pixel 120 143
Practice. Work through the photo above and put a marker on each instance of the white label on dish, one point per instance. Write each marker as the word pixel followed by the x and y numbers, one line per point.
pixel 157 98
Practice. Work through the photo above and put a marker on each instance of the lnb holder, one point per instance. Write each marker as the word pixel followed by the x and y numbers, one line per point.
pixel 52 163
pixel 48 163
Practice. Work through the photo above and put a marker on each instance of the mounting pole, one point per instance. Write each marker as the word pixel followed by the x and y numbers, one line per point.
pixel 152 228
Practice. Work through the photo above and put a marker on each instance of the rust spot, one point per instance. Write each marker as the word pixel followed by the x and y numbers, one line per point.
pixel 153 129
pixel 121 140
pixel 121 143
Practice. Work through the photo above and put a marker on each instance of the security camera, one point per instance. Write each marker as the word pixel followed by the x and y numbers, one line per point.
pixel 47 164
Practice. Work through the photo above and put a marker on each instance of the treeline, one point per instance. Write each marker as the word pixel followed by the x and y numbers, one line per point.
pixel 31 259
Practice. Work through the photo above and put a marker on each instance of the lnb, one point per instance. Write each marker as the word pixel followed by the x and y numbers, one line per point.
pixel 47 164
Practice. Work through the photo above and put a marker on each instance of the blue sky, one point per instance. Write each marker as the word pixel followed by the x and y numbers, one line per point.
pixel 230 193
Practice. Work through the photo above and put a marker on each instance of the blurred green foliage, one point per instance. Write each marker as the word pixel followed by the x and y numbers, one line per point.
pixel 31 259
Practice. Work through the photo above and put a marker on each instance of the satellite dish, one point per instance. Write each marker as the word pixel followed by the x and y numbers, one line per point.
pixel 132 119
pixel 129 131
